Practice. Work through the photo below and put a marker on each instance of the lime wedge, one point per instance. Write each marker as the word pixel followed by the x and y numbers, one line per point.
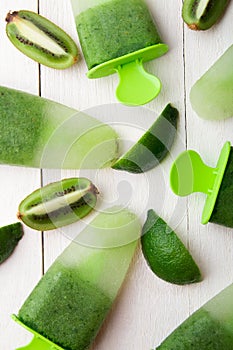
pixel 153 146
pixel 9 237
pixel 165 253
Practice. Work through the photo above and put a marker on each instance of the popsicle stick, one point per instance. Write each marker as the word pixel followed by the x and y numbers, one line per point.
pixel 136 87
pixel 38 342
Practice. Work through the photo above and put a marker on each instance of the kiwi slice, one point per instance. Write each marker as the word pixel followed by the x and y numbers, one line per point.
pixel 58 204
pixel 9 237
pixel 203 14
pixel 41 40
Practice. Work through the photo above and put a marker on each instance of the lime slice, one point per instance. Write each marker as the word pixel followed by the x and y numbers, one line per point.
pixel 9 237
pixel 153 146
pixel 165 253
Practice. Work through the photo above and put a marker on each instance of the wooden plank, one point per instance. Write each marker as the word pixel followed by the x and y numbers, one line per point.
pixel 20 273
pixel 212 244
pixel 147 308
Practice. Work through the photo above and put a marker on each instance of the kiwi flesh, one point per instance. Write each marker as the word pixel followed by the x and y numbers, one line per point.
pixel 58 204
pixel 41 40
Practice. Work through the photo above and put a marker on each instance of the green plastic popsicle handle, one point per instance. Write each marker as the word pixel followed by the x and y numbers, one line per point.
pixel 136 87
pixel 189 174
pixel 38 342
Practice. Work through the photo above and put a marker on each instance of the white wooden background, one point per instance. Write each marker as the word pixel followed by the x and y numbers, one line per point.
pixel 147 309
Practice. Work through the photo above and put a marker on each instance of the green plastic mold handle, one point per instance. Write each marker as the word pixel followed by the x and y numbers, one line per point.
pixel 189 174
pixel 38 342
pixel 137 87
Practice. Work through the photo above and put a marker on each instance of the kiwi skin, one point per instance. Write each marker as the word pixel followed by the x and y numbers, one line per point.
pixel 212 14
pixel 9 238
pixel 60 215
pixel 43 55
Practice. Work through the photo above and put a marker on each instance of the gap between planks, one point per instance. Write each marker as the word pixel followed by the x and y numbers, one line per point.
pixel 41 170
pixel 186 147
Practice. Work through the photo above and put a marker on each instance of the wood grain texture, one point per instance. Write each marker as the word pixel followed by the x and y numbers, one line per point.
pixel 147 309
pixel 211 244
pixel 20 273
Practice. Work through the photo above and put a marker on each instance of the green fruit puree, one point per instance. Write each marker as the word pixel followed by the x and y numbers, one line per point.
pixel 223 210
pixel 23 132
pixel 199 332
pixel 65 308
pixel 114 29
pixel 40 133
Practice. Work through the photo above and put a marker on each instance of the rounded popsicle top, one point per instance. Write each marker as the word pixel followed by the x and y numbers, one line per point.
pixel 211 96
pixel 80 6
pixel 111 229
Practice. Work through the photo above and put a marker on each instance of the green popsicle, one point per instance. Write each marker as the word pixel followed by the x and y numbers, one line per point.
pixel 72 300
pixel 212 95
pixel 118 36
pixel 209 328
pixel 114 29
pixel 44 134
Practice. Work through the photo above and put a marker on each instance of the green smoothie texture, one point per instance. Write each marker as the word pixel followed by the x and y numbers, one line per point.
pixel 209 328
pixel 114 29
pixel 23 132
pixel 71 301
pixel 199 332
pixel 66 309
pixel 40 133
pixel 223 210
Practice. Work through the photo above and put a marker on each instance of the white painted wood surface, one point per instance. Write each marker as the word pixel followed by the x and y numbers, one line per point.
pixel 147 309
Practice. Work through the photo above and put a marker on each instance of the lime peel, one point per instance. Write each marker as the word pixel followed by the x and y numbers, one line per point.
pixel 153 146
pixel 9 237
pixel 165 254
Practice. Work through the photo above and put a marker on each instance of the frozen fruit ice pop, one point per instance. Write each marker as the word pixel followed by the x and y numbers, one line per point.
pixel 45 134
pixel 212 95
pixel 71 301
pixel 209 328
pixel 118 36
pixel 114 28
